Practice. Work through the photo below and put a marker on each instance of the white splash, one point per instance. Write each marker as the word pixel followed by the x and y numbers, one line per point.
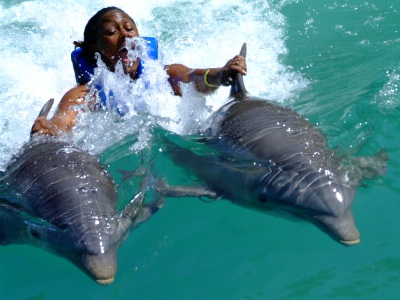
pixel 36 63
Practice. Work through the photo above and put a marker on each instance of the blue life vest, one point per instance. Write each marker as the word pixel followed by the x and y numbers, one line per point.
pixel 84 70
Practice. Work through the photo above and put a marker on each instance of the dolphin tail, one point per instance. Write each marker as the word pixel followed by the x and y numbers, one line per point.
pixel 238 90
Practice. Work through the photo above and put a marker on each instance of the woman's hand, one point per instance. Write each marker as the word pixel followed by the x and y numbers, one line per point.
pixel 213 78
pixel 65 117
pixel 231 68
pixel 42 126
pixel 206 80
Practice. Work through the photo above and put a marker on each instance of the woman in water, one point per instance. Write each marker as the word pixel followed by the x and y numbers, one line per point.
pixel 106 34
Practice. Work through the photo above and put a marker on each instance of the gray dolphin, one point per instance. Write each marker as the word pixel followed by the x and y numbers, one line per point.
pixel 260 154
pixel 58 197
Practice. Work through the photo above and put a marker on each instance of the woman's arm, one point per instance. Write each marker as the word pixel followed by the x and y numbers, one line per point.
pixel 65 116
pixel 205 80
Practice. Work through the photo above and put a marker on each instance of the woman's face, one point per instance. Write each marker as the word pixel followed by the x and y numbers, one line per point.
pixel 114 27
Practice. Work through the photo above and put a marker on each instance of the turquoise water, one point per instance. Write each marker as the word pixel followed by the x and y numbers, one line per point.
pixel 336 63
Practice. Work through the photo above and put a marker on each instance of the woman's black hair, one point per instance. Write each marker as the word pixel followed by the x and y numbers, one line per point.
pixel 90 33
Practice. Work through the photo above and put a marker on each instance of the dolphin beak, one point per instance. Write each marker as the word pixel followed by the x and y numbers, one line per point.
pixel 102 267
pixel 353 242
pixel 105 281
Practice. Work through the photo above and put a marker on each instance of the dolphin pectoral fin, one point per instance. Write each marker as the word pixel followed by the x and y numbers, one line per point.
pixel 369 167
pixel 135 212
pixel 19 226
pixel 11 223
pixel 149 209
pixel 183 191
pixel 342 228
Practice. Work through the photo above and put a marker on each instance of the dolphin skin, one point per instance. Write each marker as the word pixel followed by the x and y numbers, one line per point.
pixel 260 154
pixel 58 197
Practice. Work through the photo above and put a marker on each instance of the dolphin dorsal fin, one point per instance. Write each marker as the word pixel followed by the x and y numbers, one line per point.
pixel 238 90
pixel 44 111
pixel 46 108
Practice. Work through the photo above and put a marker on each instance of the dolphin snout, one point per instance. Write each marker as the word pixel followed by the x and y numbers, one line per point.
pixel 105 281
pixel 102 267
pixel 104 274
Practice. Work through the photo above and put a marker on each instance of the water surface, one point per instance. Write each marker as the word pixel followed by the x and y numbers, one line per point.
pixel 336 63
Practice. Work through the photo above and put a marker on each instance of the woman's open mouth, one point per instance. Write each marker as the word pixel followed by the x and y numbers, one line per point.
pixel 123 54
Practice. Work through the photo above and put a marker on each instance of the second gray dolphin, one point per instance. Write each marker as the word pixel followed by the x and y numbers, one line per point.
pixel 260 154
